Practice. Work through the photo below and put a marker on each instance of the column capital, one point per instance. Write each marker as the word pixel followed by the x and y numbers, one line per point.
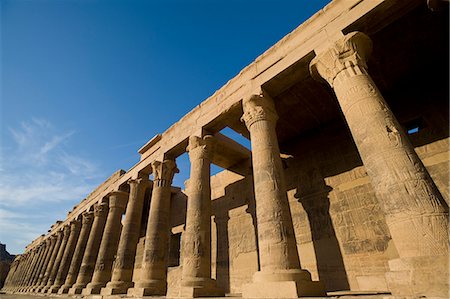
pixel 141 179
pixel 66 231
pixel 75 225
pixel 118 199
pixel 101 210
pixel 348 53
pixel 163 172
pixel 201 148
pixel 257 107
pixel 87 217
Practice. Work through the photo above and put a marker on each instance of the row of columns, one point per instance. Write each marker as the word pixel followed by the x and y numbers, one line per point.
pixel 98 255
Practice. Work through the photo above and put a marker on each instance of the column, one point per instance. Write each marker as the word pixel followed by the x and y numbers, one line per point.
pixel 110 241
pixel 20 271
pixel 35 268
pixel 416 214
pixel 23 270
pixel 48 270
pixel 52 243
pixel 87 219
pixel 122 273
pixel 196 275
pixel 91 251
pixel 153 278
pixel 56 265
pixel 35 252
pixel 280 275
pixel 30 260
pixel 40 266
pixel 75 226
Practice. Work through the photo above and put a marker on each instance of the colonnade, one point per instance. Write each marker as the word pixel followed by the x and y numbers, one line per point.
pixel 95 253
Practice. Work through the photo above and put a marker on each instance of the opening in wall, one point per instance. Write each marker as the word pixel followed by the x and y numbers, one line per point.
pixel 414 126
pixel 174 250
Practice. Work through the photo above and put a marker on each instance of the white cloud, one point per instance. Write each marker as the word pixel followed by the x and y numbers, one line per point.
pixel 38 169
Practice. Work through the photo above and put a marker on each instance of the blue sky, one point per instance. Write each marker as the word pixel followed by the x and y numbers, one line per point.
pixel 85 83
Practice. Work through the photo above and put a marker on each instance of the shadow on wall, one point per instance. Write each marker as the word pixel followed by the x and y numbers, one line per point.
pixel 314 199
pixel 235 218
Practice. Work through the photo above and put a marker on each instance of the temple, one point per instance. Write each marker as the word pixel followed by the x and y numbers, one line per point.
pixel 344 187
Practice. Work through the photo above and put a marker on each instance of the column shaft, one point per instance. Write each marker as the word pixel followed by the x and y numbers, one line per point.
pixel 196 275
pixel 56 265
pixel 153 279
pixel 40 266
pixel 123 267
pixel 416 213
pixel 40 283
pixel 280 274
pixel 110 241
pixel 67 256
pixel 91 251
pixel 35 268
pixel 87 219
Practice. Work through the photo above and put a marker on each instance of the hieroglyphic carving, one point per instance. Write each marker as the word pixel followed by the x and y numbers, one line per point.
pixel 415 211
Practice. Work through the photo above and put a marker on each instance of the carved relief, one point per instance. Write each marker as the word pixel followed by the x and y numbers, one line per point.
pixel 201 148
pixel 101 210
pixel 257 107
pixel 350 52
pixel 163 172
pixel 88 217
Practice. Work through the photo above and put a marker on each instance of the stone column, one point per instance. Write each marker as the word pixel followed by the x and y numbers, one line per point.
pixel 196 275
pixel 91 251
pixel 416 214
pixel 41 263
pixel 153 279
pixel 35 268
pixel 87 219
pixel 51 246
pixel 59 236
pixel 75 226
pixel 17 273
pixel 23 269
pixel 29 275
pixel 110 241
pixel 124 264
pixel 56 266
pixel 31 262
pixel 280 275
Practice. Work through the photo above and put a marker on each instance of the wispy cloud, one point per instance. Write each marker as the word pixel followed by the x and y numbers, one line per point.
pixel 39 168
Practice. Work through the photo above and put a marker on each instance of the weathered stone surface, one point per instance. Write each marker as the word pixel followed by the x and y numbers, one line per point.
pixel 363 210
pixel 122 273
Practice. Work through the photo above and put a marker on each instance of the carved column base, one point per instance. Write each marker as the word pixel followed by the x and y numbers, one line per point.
pixel 283 284
pixel 200 287
pixel 414 277
pixel 45 289
pixel 116 287
pixel 64 289
pixel 76 289
pixel 54 289
pixel 148 288
pixel 92 289
pixel 38 289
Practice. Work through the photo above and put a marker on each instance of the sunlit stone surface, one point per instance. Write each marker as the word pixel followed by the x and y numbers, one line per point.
pixel 343 191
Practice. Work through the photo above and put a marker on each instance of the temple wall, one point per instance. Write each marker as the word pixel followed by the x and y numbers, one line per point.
pixel 341 233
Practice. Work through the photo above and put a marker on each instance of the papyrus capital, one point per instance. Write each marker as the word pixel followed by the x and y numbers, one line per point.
pixel 350 52
pixel 258 106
